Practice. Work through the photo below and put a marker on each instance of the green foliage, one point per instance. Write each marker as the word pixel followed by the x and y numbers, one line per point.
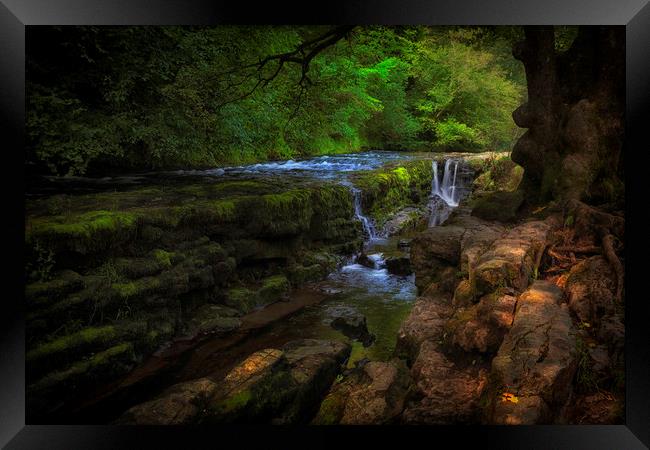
pixel 104 98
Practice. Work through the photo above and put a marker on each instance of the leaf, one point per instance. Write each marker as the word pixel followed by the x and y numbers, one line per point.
pixel 508 397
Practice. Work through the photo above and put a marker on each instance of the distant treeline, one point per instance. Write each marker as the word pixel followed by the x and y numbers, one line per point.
pixel 102 99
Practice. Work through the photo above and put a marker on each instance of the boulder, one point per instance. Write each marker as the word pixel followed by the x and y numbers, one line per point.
pixel 179 405
pixel 352 324
pixel 450 393
pixel 372 394
pixel 269 386
pixel 511 260
pixel 501 206
pixel 481 327
pixel 313 366
pixel 399 265
pixel 536 361
pixel 425 321
pixel 365 261
pixel 403 220
pixel 433 250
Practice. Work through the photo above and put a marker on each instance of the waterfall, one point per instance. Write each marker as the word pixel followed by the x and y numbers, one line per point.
pixel 444 197
pixel 368 226
pixel 435 186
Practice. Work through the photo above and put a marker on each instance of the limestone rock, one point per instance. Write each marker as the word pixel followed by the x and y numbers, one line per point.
pixel 433 250
pixel 425 321
pixel 510 260
pixel 179 405
pixel 370 395
pixel 537 359
pixel 481 327
pixel 450 394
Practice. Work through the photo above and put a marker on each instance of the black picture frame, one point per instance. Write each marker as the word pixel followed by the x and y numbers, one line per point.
pixel 633 14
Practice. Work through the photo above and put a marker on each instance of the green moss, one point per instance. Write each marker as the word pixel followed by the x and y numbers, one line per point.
pixel 84 232
pixel 65 283
pixel 273 289
pixel 234 402
pixel 241 299
pixel 108 363
pixel 163 257
pixel 137 288
pixel 387 190
pixel 72 343
pixel 331 410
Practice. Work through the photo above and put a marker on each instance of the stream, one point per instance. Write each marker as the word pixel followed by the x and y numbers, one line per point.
pixel 383 298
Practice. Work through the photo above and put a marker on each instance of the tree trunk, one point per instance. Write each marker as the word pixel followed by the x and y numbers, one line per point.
pixel 574 115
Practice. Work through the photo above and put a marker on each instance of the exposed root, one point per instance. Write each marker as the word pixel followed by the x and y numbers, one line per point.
pixel 610 254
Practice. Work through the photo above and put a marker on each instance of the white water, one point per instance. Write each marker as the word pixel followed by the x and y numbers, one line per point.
pixel 444 197
pixel 368 226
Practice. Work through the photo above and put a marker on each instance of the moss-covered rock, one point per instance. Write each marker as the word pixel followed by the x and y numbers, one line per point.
pixel 500 206
pixel 273 289
pixel 385 191
pixel 83 233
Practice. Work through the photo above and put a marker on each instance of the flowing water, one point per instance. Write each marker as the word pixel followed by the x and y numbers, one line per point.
pixel 383 298
pixel 455 186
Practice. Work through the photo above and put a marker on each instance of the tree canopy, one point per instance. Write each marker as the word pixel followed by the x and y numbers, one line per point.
pixel 103 99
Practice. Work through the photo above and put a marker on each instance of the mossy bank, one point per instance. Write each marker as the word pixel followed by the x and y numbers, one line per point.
pixel 112 276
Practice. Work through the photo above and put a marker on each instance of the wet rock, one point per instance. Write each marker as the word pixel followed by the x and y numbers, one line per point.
pixel 213 319
pixel 399 265
pixel 434 250
pixel 501 206
pixel 314 364
pixel 510 261
pixel 591 290
pixel 271 385
pixel 481 327
pixel 537 359
pixel 353 325
pixel 372 394
pixel 425 321
pixel 365 261
pixel 450 393
pixel 402 221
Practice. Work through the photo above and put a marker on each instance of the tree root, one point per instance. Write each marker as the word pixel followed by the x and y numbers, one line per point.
pixel 610 254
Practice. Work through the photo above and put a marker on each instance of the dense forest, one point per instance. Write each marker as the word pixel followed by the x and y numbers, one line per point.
pixel 117 98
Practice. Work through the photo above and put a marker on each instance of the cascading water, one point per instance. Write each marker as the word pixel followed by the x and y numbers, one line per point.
pixel 446 196
pixel 368 226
